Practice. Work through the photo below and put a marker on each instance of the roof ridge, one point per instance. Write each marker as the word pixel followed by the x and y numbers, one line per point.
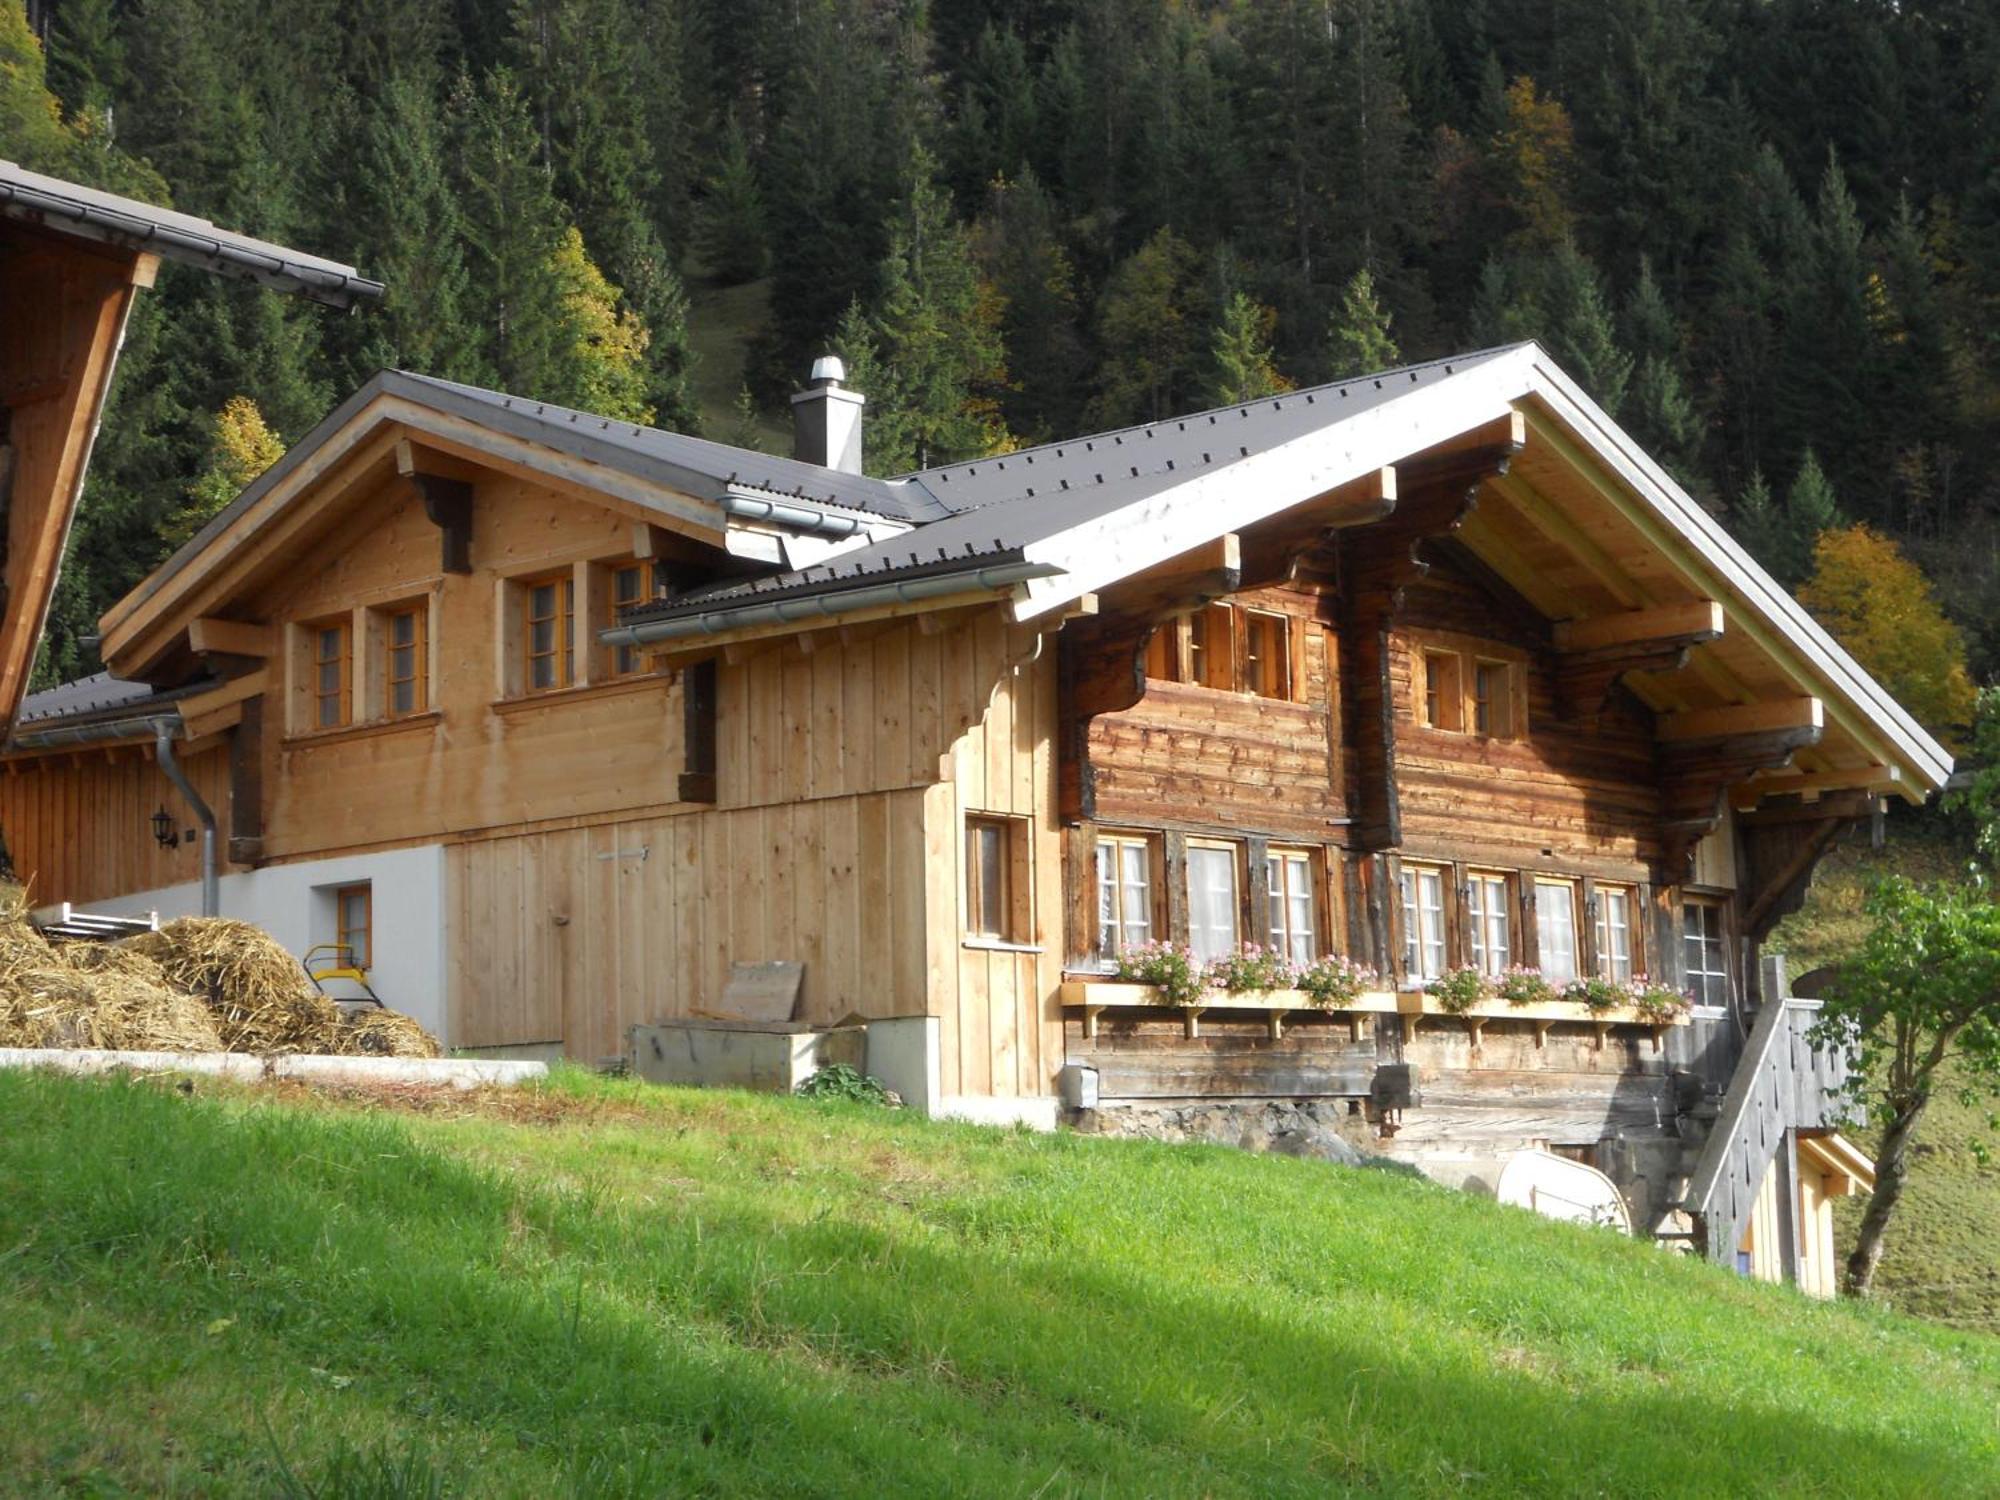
pixel 1182 419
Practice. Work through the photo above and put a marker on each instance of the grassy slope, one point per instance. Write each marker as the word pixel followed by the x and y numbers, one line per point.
pixel 1942 1259
pixel 603 1289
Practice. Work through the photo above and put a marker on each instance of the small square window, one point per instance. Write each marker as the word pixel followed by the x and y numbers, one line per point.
pixel 1444 691
pixel 331 646
pixel 405 665
pixel 1493 699
pixel 996 878
pixel 1267 654
pixel 549 639
pixel 354 924
pixel 1614 932
pixel 631 583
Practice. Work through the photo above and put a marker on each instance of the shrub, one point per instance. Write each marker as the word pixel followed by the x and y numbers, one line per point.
pixel 1168 967
pixel 1334 981
pixel 1597 995
pixel 839 1081
pixel 1525 986
pixel 1254 969
pixel 1460 990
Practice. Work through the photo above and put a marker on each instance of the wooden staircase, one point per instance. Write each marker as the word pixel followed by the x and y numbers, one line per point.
pixel 1782 1085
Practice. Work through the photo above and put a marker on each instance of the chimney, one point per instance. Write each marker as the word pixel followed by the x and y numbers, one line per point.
pixel 826 419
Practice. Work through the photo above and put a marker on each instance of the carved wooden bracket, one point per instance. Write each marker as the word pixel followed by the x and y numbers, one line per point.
pixel 1695 778
pixel 1585 679
pixel 1100 669
pixel 448 503
pixel 1781 845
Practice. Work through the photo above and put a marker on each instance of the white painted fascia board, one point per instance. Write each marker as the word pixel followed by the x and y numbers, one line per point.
pixel 1755 589
pixel 1163 525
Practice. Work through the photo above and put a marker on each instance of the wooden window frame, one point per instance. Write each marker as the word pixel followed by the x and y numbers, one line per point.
pixel 1482 914
pixel 365 959
pixel 1410 941
pixel 1600 926
pixel 628 661
pixel 1104 949
pixel 383 646
pixel 1441 690
pixel 1578 964
pixel 1209 649
pixel 314 633
pixel 1451 686
pixel 1014 903
pixel 1268 673
pixel 1725 941
pixel 1163 653
pixel 562 651
pixel 1280 896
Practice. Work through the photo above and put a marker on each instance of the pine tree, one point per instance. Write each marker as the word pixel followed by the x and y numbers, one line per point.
pixel 1759 524
pixel 1358 338
pixel 87 55
pixel 936 332
pixel 513 229
pixel 1810 508
pixel 240 448
pixel 1147 331
pixel 1580 332
pixel 1020 251
pixel 745 431
pixel 401 219
pixel 732 224
pixel 1659 410
pixel 1241 358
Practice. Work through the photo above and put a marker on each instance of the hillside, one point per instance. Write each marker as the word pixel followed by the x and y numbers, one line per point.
pixel 604 1289
pixel 1940 1261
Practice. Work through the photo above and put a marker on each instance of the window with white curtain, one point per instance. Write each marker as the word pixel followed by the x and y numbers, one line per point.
pixel 1212 901
pixel 1124 894
pixel 1614 933
pixel 1555 929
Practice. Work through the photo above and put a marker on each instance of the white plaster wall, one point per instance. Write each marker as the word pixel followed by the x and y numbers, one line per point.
pixel 294 903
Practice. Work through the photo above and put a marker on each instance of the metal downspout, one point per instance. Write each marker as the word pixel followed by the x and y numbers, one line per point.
pixel 211 882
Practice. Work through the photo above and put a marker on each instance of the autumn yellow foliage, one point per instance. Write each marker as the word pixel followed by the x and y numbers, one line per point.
pixel 1880 606
pixel 242 447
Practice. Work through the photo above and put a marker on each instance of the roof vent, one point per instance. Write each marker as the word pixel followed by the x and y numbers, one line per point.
pixel 826 419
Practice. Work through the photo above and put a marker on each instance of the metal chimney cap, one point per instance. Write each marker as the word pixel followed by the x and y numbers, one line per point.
pixel 828 369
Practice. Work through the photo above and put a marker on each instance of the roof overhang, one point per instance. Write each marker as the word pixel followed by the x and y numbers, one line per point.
pixel 1648 560
pixel 1840 1160
pixel 355 448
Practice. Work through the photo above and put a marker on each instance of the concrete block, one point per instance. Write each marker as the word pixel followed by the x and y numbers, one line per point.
pixel 903 1053
pixel 769 1058
pixel 456 1072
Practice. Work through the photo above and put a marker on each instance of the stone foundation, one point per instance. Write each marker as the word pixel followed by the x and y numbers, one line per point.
pixel 1316 1129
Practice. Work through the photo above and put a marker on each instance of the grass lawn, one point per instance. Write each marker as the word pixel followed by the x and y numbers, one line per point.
pixel 1943 1255
pixel 600 1288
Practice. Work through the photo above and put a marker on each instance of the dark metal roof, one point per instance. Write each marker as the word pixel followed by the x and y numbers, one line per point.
pixel 98 696
pixel 692 465
pixel 997 506
pixel 90 214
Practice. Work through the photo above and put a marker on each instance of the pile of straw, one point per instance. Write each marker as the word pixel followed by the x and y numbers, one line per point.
pixel 259 993
pixel 199 984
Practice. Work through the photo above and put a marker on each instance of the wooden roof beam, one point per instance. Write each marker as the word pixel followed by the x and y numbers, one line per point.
pixel 1540 513
pixel 1811 785
pixel 232 637
pixel 1739 719
pixel 447 501
pixel 1697 620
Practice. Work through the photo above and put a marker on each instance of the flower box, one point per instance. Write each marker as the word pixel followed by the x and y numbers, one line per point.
pixel 1095 995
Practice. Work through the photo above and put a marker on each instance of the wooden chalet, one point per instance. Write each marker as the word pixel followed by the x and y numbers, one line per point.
pixel 555 719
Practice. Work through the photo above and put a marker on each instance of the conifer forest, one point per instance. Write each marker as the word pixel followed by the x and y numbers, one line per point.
pixel 1764 234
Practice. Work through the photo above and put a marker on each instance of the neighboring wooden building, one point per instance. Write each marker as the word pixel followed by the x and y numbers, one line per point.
pixel 71 261
pixel 558 718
